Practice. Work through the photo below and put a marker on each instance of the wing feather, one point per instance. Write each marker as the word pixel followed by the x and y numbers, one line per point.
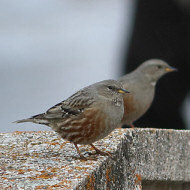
pixel 74 105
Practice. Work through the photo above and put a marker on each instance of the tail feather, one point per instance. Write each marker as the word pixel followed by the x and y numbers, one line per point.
pixel 39 119
pixel 24 120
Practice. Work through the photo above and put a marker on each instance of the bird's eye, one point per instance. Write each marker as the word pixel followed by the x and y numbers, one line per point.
pixel 110 87
pixel 159 66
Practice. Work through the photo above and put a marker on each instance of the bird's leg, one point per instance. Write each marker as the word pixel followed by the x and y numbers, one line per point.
pixel 81 156
pixel 120 125
pixel 101 152
pixel 132 125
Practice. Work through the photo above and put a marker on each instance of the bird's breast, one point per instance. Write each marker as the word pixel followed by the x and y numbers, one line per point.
pixel 136 104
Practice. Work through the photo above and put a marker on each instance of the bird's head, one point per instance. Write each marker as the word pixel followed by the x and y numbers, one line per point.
pixel 154 69
pixel 110 88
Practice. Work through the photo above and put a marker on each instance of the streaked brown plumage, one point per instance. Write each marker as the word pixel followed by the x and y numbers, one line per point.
pixel 141 84
pixel 87 116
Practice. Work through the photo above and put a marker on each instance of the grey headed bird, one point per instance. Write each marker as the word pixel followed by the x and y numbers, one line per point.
pixel 141 83
pixel 87 116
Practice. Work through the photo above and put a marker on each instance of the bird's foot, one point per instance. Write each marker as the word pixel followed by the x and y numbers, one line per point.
pixel 101 152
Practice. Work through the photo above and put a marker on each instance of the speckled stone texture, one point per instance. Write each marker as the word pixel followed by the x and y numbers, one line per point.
pixel 42 160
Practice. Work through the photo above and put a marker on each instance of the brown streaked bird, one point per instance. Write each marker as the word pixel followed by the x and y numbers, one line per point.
pixel 87 116
pixel 141 84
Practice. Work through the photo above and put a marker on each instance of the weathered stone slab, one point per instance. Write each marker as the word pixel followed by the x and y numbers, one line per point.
pixel 42 160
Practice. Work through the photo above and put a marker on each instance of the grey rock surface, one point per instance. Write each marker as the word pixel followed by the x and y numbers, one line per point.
pixel 42 160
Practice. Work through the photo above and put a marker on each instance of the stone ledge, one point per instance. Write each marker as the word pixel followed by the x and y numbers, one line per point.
pixel 42 160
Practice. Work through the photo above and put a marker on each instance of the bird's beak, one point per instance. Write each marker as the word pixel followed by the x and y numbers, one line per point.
pixel 122 91
pixel 170 69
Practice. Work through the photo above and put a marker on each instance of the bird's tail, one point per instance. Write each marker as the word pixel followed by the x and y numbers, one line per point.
pixel 24 120
pixel 39 119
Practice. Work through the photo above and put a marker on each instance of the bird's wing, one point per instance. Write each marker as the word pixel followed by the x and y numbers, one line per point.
pixel 73 106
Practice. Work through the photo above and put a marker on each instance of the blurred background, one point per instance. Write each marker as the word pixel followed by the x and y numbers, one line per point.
pixel 49 49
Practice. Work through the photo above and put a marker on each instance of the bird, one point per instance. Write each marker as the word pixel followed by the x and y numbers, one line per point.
pixel 87 116
pixel 142 83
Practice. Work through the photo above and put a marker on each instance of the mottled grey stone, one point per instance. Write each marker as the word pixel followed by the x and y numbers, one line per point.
pixel 160 154
pixel 152 158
